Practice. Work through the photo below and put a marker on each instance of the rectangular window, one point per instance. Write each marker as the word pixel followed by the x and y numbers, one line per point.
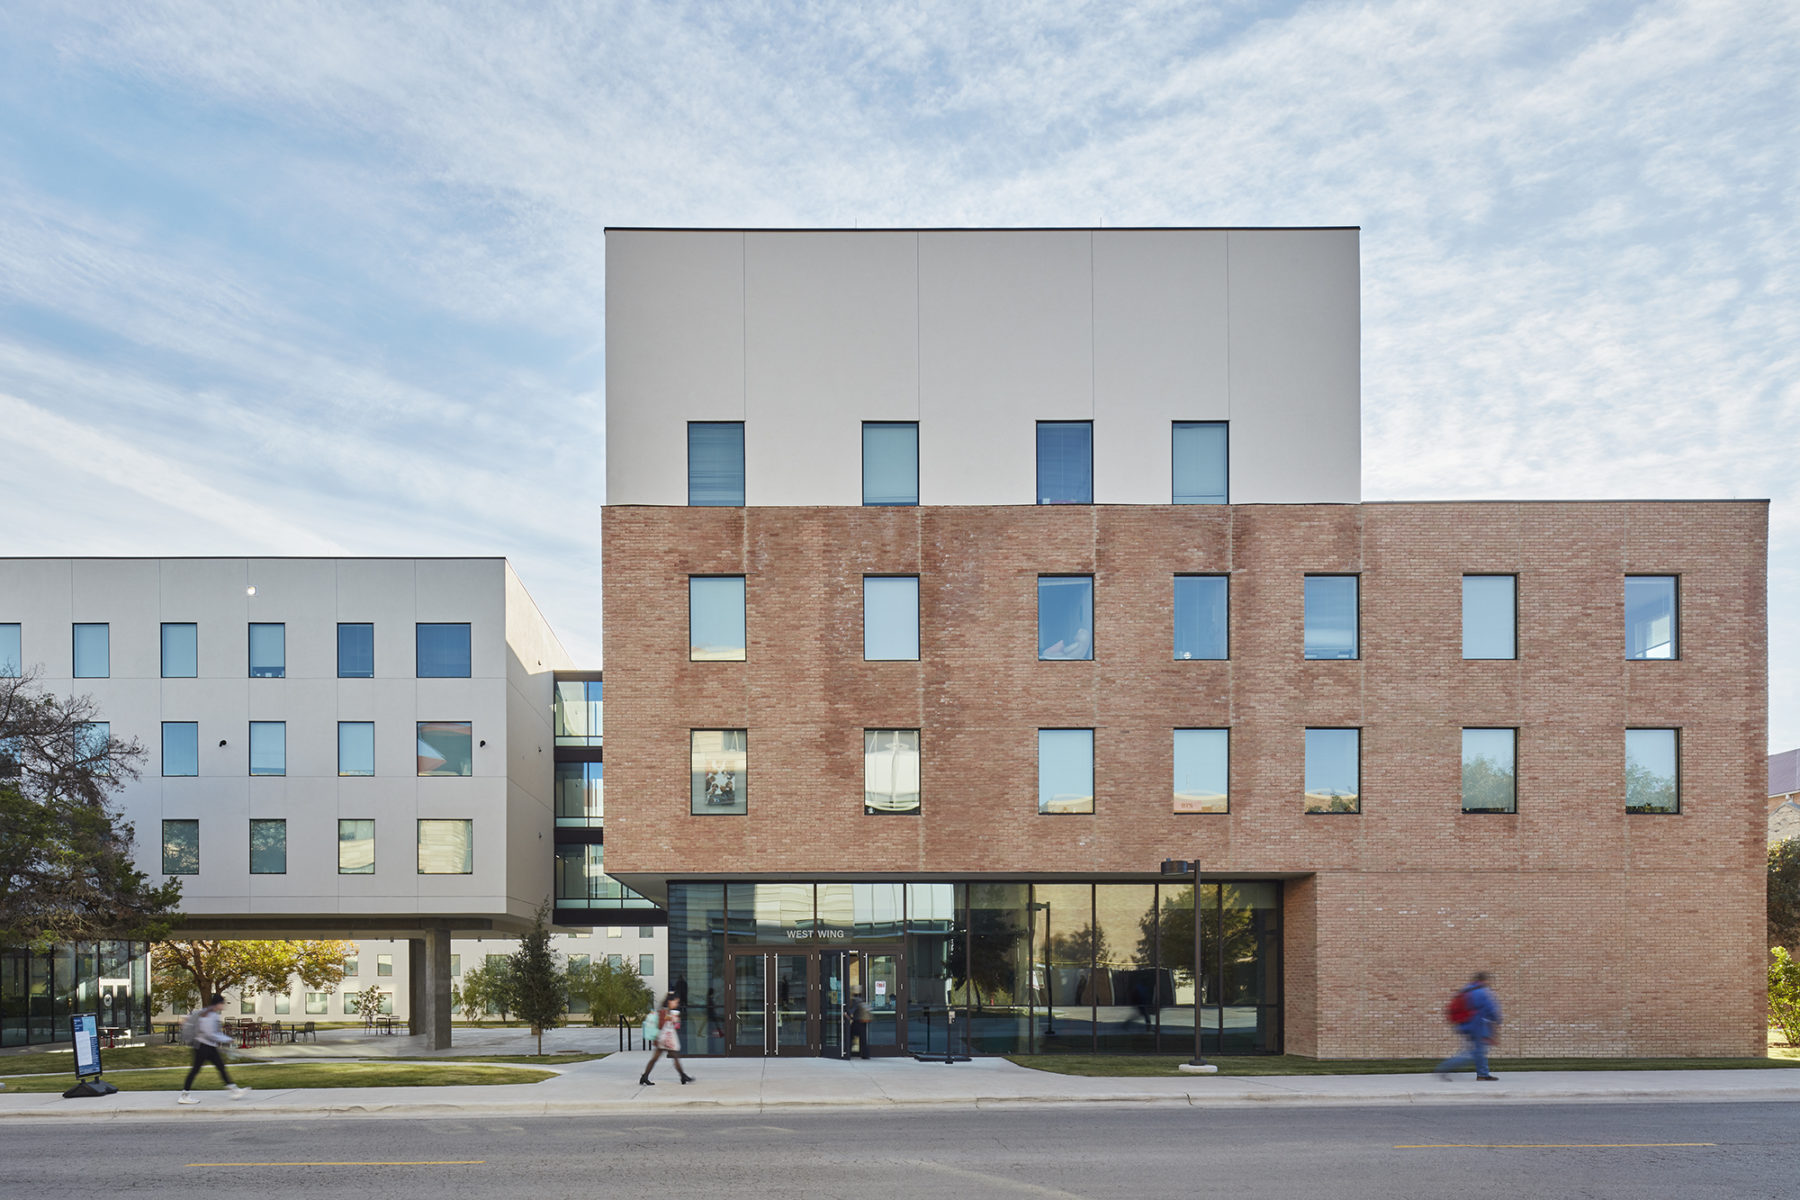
pixel 456 966
pixel 268 747
pixel 1650 616
pixel 356 747
pixel 720 766
pixel 890 771
pixel 1201 617
pixel 443 651
pixel 580 712
pixel 1065 616
pixel 282 1004
pixel 646 965
pixel 890 618
pixel 352 966
pixel 716 463
pixel 318 1003
pixel 1331 616
pixel 890 463
pixel 384 964
pixel 1652 771
pixel 268 847
pixel 96 737
pixel 1065 462
pixel 268 651
pixel 446 847
pixel 180 651
pixel 615 961
pixel 246 1006
pixel 181 847
pixel 446 748
pixel 1490 616
pixel 1202 770
pixel 356 651
pixel 614 931
pixel 356 847
pixel 352 1004
pixel 1201 468
pixel 1065 770
pixel 1334 770
pixel 646 931
pixel 180 748
pixel 93 656
pixel 580 794
pixel 1488 777
pixel 12 657
pixel 716 618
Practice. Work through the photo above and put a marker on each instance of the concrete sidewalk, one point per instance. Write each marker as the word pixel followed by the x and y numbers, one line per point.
pixel 609 1086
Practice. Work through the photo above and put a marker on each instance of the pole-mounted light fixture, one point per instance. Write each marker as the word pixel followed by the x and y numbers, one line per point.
pixel 1181 866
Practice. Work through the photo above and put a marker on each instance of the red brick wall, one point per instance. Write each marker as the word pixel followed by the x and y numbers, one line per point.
pixel 1605 932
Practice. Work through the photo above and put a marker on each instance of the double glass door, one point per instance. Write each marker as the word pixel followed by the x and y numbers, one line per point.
pixel 805 1002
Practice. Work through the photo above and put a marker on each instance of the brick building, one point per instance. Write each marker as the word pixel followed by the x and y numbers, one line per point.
pixel 956 579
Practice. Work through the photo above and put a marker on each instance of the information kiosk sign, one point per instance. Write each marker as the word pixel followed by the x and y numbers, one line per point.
pixel 85 1029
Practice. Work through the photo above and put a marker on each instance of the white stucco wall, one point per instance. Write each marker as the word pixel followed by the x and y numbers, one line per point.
pixel 977 335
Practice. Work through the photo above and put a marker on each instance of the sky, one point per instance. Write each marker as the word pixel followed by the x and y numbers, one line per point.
pixel 320 278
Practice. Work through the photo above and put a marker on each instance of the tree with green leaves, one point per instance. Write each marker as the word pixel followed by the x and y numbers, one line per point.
pixel 1784 894
pixel 183 973
pixel 1784 994
pixel 612 991
pixel 66 867
pixel 538 985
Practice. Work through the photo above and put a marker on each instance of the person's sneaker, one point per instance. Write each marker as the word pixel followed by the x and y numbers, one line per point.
pixel 1487 1078
pixel 238 1093
pixel 187 1098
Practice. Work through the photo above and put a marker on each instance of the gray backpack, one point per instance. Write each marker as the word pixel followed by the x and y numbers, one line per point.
pixel 190 1028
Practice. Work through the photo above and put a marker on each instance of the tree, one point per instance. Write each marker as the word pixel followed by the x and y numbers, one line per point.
pixel 537 978
pixel 182 973
pixel 66 869
pixel 1784 894
pixel 1784 994
pixel 612 990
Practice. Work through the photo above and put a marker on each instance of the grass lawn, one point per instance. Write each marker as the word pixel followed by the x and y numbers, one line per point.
pixel 1293 1064
pixel 273 1076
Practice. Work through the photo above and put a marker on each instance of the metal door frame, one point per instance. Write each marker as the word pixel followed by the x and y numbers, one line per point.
pixel 862 952
pixel 770 1046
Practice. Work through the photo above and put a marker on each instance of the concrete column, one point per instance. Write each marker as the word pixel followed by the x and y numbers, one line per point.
pixel 431 987
pixel 415 985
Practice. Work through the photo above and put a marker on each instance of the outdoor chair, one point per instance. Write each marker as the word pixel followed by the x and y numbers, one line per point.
pixel 310 1030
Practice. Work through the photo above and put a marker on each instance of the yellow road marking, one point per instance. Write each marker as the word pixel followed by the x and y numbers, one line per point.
pixel 1553 1145
pixel 452 1162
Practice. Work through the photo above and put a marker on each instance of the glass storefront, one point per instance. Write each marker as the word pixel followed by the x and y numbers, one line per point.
pixel 40 991
pixel 977 968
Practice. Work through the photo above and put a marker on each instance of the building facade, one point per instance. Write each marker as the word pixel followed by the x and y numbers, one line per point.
pixel 955 580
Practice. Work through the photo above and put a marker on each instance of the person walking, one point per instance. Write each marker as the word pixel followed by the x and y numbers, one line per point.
pixel 1475 1012
pixel 207 1039
pixel 859 1024
pixel 668 1039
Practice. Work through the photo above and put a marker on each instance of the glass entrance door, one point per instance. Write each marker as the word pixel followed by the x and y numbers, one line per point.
pixel 873 977
pixel 772 1002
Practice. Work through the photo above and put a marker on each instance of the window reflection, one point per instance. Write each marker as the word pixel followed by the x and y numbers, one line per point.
pixel 1333 770
pixel 1487 770
pixel 1200 617
pixel 1489 615
pixel 890 771
pixel 580 712
pixel 1065 616
pixel 1652 771
pixel 1331 616
pixel 716 618
pixel 1650 616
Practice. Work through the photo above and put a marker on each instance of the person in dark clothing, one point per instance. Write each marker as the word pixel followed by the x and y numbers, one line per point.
pixel 860 1016
pixel 208 1037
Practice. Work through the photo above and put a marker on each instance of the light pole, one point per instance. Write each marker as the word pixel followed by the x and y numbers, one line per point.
pixel 1049 977
pixel 1181 866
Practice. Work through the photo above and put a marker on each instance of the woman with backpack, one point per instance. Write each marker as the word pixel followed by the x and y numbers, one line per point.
pixel 668 1038
pixel 201 1031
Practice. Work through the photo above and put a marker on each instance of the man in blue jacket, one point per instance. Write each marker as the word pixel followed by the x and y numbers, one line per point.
pixel 1481 1013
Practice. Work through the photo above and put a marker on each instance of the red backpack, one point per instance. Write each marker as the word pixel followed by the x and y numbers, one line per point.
pixel 1459 1011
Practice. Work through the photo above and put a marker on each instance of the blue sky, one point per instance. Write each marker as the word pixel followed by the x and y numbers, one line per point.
pixel 321 278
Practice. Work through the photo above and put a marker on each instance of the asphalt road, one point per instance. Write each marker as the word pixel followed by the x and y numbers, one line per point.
pixel 1630 1151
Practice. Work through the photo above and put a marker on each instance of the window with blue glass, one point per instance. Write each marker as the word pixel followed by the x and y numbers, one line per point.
pixel 443 651
pixel 1490 627
pixel 181 847
pixel 890 463
pixel 356 747
pixel 1331 616
pixel 890 617
pixel 95 739
pixel 715 464
pixel 1065 462
pixel 1065 616
pixel 180 748
pixel 1334 770
pixel 268 747
pixel 1065 771
pixel 268 651
pixel 12 658
pixel 1200 464
pixel 1650 616
pixel 180 650
pixel 716 618
pixel 1652 771
pixel 1202 612
pixel 93 655
pixel 1202 770
pixel 356 650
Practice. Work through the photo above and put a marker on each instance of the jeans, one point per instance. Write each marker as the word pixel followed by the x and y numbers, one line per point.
pixel 1474 1054
pixel 204 1054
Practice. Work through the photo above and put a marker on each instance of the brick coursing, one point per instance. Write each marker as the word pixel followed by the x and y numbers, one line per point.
pixel 1605 932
